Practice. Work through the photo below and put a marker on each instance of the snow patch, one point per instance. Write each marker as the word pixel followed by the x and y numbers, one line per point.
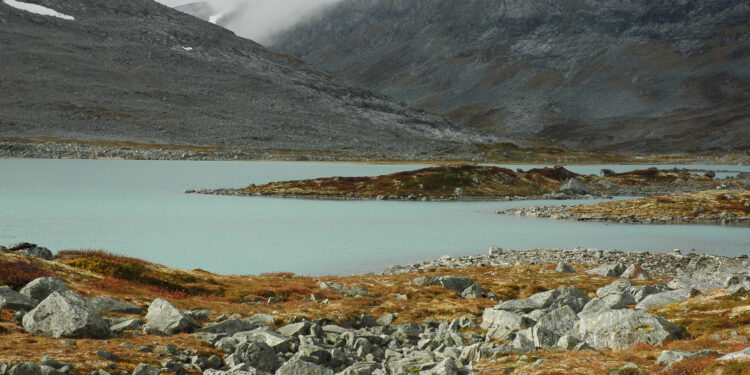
pixel 187 48
pixel 37 9
pixel 215 18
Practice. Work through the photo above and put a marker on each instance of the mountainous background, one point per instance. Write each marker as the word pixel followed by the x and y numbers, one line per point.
pixel 138 71
pixel 632 75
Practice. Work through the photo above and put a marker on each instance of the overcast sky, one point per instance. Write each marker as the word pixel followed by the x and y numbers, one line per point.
pixel 262 18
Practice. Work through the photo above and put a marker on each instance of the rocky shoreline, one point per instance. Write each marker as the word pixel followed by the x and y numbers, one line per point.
pixel 564 212
pixel 563 319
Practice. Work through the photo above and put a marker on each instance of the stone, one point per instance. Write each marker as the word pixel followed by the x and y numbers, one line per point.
pixel 299 367
pixel 37 252
pixel 559 321
pixel 504 319
pixel 387 320
pixel 567 342
pixel 295 329
pixel 606 172
pixel 627 369
pixel 640 292
pixel 474 291
pixel 494 250
pixel 26 368
pixel 364 368
pixel 41 288
pixel 742 355
pixel 127 325
pixel 619 286
pixel 344 290
pixel 620 329
pixel 445 367
pixel 164 317
pixel 367 321
pixel 107 355
pixel 664 298
pixel 459 192
pixel 667 357
pixel 564 268
pixel 636 272
pixel 10 299
pixel 107 304
pixel 574 186
pixel 229 326
pixel 611 270
pixel 146 369
pixel 66 314
pixel 609 302
pixel 20 246
pixel 738 283
pixel 258 355
pixel 457 283
pixel 550 299
pixel 523 344
pixel 276 341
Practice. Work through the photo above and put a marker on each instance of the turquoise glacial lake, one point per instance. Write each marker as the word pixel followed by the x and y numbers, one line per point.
pixel 137 208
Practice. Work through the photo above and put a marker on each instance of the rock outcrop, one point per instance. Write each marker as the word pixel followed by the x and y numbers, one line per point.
pixel 66 314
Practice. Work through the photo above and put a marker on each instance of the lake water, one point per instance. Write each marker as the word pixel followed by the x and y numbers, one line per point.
pixel 137 208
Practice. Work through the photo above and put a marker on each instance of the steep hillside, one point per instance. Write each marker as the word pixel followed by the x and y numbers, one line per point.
pixel 137 71
pixel 591 74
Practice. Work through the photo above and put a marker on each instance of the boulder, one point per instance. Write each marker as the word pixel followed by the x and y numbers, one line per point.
pixel 619 329
pixel 445 367
pixel 742 355
pixel 268 336
pixel 474 291
pixel 10 299
pixel 504 319
pixel 664 298
pixel 229 326
pixel 66 314
pixel 574 186
pixel 559 321
pixel 344 290
pixel 636 272
pixel 20 246
pixel 256 354
pixel 26 368
pixel 386 320
pixel 457 283
pixel 127 325
pixel 299 367
pixel 42 287
pixel 364 368
pixel 738 283
pixel 640 292
pixel 606 172
pixel 611 270
pixel 667 357
pixel 107 304
pixel 609 302
pixel 567 342
pixel 550 299
pixel 163 316
pixel 619 286
pixel 564 268
pixel 146 369
pixel 37 252
pixel 295 329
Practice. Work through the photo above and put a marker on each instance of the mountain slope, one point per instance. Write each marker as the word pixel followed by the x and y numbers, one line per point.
pixel 592 74
pixel 134 70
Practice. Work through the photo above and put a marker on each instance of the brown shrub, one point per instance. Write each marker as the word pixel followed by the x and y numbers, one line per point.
pixel 17 273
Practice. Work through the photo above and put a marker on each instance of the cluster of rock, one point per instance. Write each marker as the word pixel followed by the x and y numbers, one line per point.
pixel 28 249
pixel 59 150
pixel 662 264
pixel 564 212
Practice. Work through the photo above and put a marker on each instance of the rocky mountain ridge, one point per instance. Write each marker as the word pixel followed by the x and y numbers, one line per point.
pixel 138 71
pixel 593 74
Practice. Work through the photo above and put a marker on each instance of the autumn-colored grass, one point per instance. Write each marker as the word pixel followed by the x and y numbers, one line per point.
pixel 16 272
pixel 697 204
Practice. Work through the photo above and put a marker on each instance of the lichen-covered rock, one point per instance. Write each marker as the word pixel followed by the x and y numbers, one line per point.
pixel 457 283
pixel 664 298
pixel 37 252
pixel 611 270
pixel 364 368
pixel 257 354
pixel 66 314
pixel 619 329
pixel 146 369
pixel 26 368
pixel 636 272
pixel 41 288
pixel 559 321
pixel 229 326
pixel 299 367
pixel 618 286
pixel 550 299
pixel 573 186
pixel 564 268
pixel 738 283
pixel 164 317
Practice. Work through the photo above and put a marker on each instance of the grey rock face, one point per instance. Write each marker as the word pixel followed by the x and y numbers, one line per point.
pixel 10 299
pixel 589 100
pixel 42 287
pixel 619 286
pixel 364 368
pixel 258 355
pixel 164 317
pixel 611 270
pixel 66 314
pixel 474 291
pixel 127 325
pixel 738 283
pixel 26 368
pixel 559 321
pixel 20 246
pixel 457 283
pixel 103 303
pixel 573 186
pixel 299 367
pixel 37 252
pixel 504 319
pixel 635 271
pixel 619 329
pixel 551 299
pixel 667 357
pixel 445 367
pixel 741 355
pixel 664 298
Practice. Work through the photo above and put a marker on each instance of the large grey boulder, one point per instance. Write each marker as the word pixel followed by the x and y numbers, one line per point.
pixel 26 368
pixel 474 291
pixel 636 272
pixel 564 268
pixel 550 299
pixel 266 335
pixel 37 252
pixel 609 302
pixel 667 357
pixel 445 367
pixel 10 299
pixel 164 317
pixel 42 287
pixel 299 367
pixel 229 326
pixel 457 283
pixel 620 329
pixel 618 286
pixel 611 270
pixel 256 354
pixel 705 276
pixel 66 314
pixel 364 368
pixel 146 369
pixel 344 290
pixel 107 304
pixel 295 329
pixel 20 246
pixel 639 292
pixel 559 321
pixel 504 319
pixel 664 298
pixel 573 186
pixel 742 355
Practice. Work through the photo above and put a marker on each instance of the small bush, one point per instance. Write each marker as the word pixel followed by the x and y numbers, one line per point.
pixel 16 273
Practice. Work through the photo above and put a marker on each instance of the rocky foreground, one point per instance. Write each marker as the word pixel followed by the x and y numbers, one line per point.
pixel 507 311
pixel 481 182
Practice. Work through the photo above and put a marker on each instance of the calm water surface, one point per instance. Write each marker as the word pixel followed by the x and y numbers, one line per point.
pixel 137 208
